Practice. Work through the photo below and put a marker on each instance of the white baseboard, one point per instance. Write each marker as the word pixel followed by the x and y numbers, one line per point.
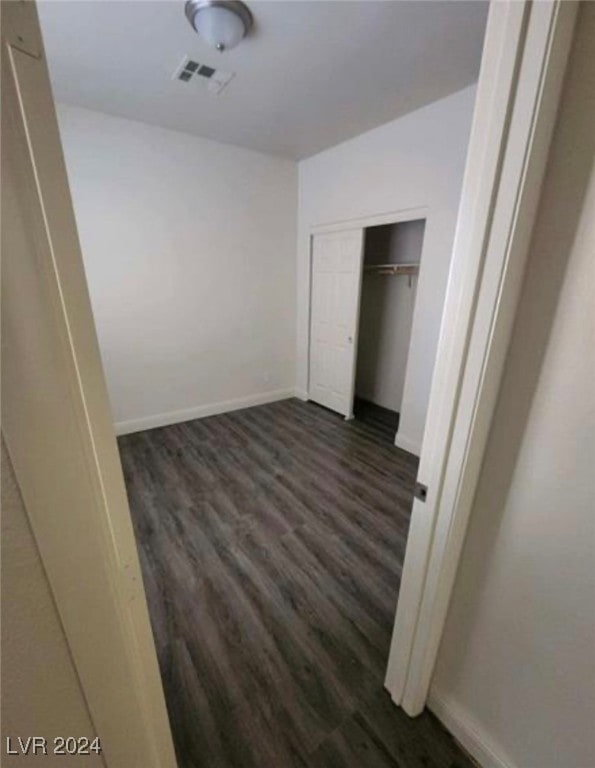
pixel 200 411
pixel 466 731
pixel 301 394
pixel 404 442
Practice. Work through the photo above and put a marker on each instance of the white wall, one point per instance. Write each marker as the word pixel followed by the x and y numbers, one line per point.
pixel 386 314
pixel 189 249
pixel 516 668
pixel 414 161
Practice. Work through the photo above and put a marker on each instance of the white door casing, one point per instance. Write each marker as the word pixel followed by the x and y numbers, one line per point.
pixel 337 262
pixel 525 54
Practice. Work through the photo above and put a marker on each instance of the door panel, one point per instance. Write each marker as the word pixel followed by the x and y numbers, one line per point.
pixel 336 284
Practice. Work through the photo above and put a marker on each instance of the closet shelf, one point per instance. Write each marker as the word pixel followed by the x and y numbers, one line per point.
pixel 392 269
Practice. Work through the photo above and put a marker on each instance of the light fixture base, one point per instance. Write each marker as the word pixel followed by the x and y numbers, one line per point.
pixel 241 10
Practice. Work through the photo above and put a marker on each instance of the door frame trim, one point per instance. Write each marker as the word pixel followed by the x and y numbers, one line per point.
pixel 372 220
pixel 523 65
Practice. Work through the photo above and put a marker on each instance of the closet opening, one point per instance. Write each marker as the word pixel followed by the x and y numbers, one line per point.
pixel 391 263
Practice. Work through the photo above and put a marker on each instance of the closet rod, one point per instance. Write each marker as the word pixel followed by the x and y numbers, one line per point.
pixel 392 269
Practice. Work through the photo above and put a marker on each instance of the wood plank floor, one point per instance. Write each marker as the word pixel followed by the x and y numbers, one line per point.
pixel 384 421
pixel 271 542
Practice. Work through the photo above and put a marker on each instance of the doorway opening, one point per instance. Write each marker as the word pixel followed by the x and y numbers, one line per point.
pixel 391 263
pixel 209 503
pixel 240 517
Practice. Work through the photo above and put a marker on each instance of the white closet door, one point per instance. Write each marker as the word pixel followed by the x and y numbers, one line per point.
pixel 336 282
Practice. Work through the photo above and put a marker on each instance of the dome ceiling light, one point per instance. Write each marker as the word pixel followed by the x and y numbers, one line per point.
pixel 221 23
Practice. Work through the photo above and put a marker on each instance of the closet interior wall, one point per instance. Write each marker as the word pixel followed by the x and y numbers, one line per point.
pixel 386 313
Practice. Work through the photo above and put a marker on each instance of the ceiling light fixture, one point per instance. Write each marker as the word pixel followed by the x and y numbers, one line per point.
pixel 221 23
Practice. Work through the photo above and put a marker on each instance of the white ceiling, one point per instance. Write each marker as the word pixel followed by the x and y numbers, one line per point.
pixel 311 74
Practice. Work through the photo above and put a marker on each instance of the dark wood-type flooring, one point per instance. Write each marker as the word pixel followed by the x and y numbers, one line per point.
pixel 271 542
pixel 382 422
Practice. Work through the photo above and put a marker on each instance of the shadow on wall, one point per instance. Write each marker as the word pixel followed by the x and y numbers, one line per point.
pixel 373 332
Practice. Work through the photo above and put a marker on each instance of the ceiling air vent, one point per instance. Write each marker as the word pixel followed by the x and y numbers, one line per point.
pixel 202 74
